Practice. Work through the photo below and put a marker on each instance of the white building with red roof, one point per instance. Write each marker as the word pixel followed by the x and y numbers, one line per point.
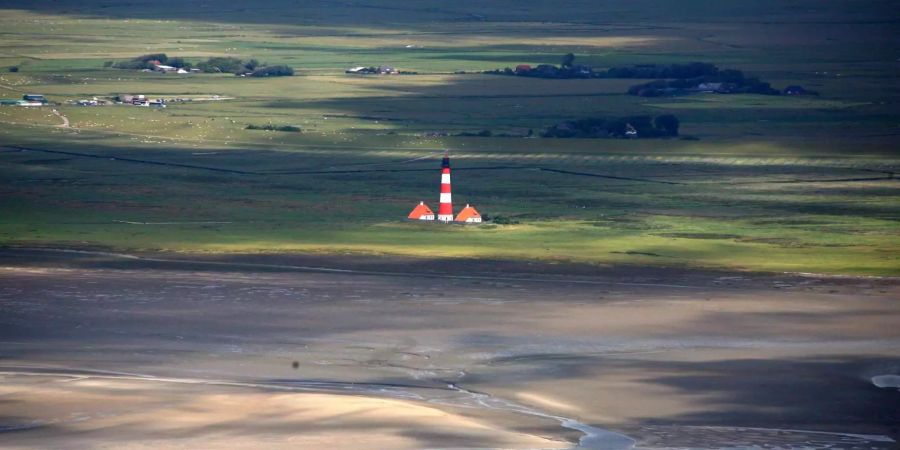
pixel 468 215
pixel 421 212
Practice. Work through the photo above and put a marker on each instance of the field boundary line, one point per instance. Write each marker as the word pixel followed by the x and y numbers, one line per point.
pixel 334 270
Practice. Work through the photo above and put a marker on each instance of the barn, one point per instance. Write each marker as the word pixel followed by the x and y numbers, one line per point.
pixel 35 98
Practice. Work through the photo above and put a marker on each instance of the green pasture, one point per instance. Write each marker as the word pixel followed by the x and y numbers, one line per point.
pixel 799 184
pixel 726 211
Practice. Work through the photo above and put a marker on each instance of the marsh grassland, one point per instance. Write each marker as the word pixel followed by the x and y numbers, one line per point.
pixel 774 183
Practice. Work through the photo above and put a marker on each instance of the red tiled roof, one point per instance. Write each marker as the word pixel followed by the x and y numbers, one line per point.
pixel 467 213
pixel 420 210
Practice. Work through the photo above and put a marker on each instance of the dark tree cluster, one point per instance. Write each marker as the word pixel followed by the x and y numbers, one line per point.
pixel 499 220
pixel 671 79
pixel 663 126
pixel 219 64
pixel 273 71
pixel 720 82
pixel 568 69
pixel 547 71
pixel 227 64
pixel 689 70
pixel 271 127
pixel 141 62
pixel 482 133
pixel 179 63
pixel 250 67
pixel 679 79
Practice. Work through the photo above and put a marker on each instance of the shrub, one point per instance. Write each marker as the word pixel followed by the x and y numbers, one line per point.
pixel 222 65
pixel 273 71
pixel 482 133
pixel 161 57
pixel 142 62
pixel 667 123
pixel 270 127
pixel 179 62
pixel 690 70
pixel 14 69
pixel 615 127
pixel 503 220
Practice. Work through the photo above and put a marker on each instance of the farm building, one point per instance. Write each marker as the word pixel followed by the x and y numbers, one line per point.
pixel 421 212
pixel 131 98
pixel 164 68
pixel 522 68
pixel 709 87
pixel 630 131
pixel 380 70
pixel 468 215
pixel 584 71
pixel 34 98
pixel 795 90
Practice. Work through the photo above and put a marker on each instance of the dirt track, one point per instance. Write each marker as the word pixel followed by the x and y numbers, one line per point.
pixel 65 120
pixel 458 353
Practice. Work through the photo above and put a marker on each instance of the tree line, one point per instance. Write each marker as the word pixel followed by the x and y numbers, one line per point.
pixel 663 126
pixel 631 127
pixel 670 79
pixel 224 64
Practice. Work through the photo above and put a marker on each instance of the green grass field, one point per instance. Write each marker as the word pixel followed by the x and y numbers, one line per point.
pixel 800 184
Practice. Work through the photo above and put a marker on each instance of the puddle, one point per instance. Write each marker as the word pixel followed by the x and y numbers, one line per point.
pixel 594 438
pixel 887 381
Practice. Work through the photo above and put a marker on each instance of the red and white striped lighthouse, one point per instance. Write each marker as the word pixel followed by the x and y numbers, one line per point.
pixel 445 210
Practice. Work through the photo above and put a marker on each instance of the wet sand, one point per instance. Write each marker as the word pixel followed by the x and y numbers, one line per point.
pixel 90 410
pixel 100 350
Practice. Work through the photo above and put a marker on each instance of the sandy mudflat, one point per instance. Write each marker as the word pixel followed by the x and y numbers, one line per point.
pixel 86 411
pixel 105 351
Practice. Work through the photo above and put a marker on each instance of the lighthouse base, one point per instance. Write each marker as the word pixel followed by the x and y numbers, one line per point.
pixel 445 217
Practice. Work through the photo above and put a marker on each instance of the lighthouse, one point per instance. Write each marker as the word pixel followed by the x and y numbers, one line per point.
pixel 445 210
